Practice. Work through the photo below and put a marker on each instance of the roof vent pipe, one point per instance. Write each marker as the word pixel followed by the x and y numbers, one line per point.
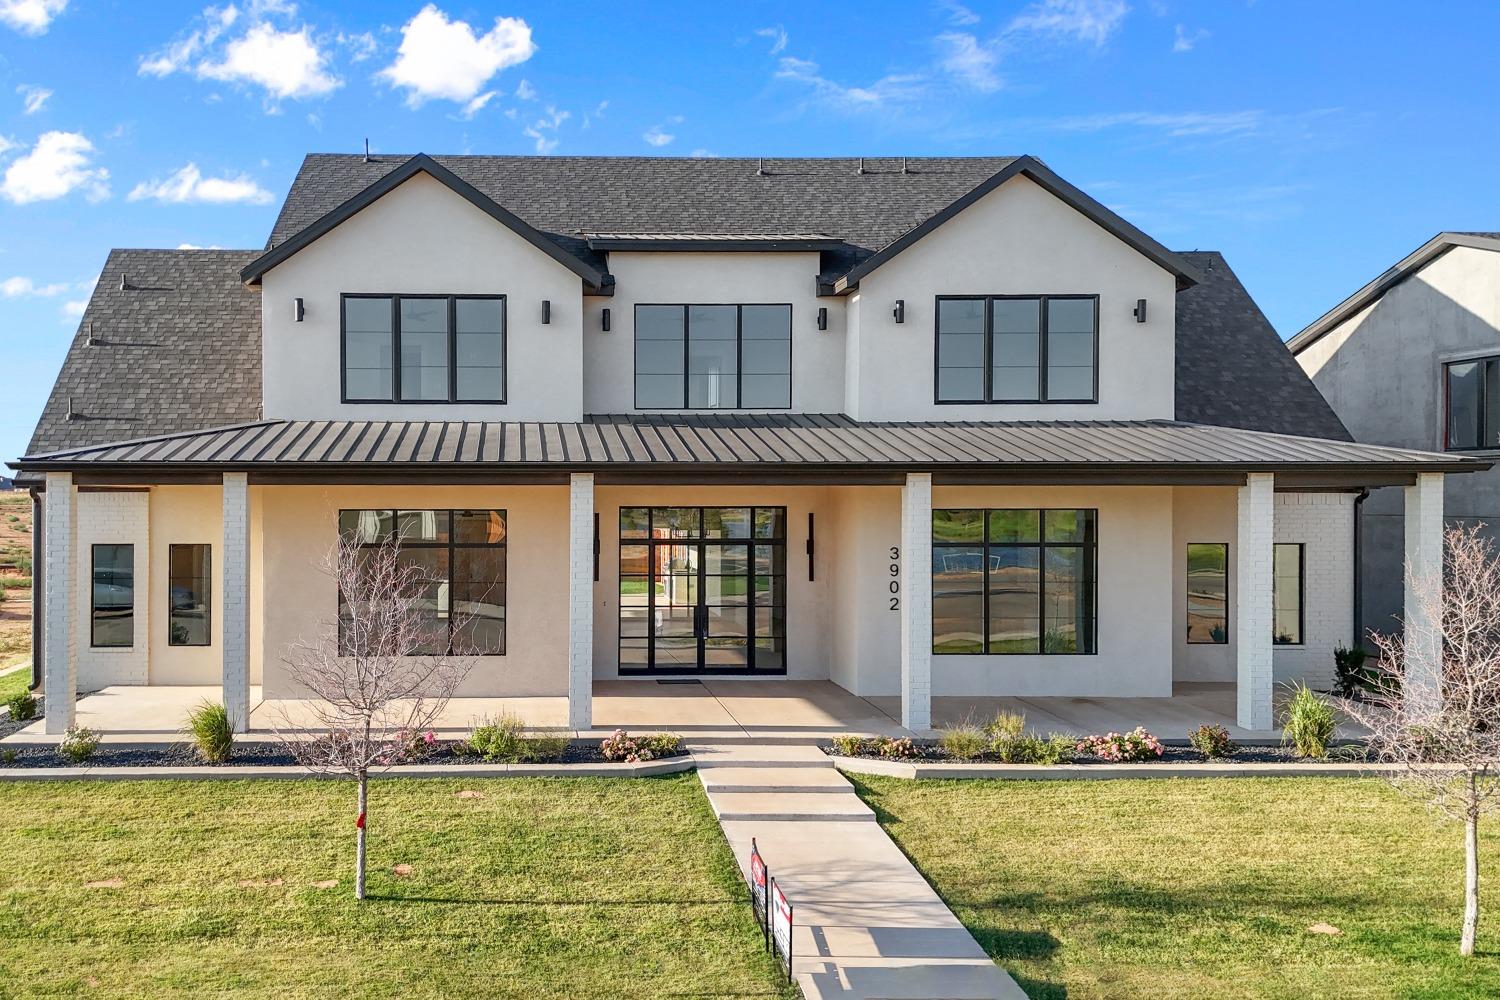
pixel 760 166
pixel 91 341
pixel 861 166
pixel 124 284
pixel 367 149
pixel 903 164
pixel 71 415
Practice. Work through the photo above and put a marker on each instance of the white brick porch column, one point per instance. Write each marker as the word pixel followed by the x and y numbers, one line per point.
pixel 235 556
pixel 1422 614
pixel 916 601
pixel 581 600
pixel 1253 588
pixel 60 634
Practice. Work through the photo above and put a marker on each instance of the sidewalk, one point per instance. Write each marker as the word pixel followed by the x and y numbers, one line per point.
pixel 867 925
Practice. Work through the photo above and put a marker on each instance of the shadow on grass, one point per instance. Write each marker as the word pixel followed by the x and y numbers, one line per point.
pixel 541 903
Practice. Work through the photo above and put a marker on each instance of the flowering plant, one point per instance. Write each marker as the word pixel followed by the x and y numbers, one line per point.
pixel 413 745
pixel 901 748
pixel 1122 747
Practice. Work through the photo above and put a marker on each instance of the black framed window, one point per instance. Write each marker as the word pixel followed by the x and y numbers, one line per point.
pixel 424 348
pixel 462 557
pixel 189 595
pixel 1208 593
pixel 112 601
pixel 708 357
pixel 1014 581
pixel 1288 576
pixel 1471 390
pixel 1017 349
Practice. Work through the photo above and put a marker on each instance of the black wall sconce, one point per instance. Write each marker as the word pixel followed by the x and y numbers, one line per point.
pixel 900 311
pixel 297 310
pixel 1140 310
pixel 546 311
pixel 823 318
pixel 604 320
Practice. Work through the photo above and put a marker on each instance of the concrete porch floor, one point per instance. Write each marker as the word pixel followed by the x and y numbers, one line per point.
pixel 712 709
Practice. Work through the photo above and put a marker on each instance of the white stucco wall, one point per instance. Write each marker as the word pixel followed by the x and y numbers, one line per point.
pixel 422 237
pixel 1017 240
pixel 1324 524
pixel 1201 514
pixel 723 278
pixel 114 517
pixel 188 515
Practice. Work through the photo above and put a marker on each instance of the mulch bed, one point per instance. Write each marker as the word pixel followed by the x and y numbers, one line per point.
pixel 929 752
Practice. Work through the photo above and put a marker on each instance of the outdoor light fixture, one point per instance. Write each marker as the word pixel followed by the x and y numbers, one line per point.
pixel 604 320
pixel 823 318
pixel 546 311
pixel 900 311
pixel 297 310
pixel 1140 310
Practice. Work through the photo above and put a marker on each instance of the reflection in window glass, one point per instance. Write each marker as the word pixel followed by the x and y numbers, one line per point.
pixel 441 348
pixel 1070 349
pixel 960 352
pixel 368 349
pixel 1208 593
pixel 1016 349
pixel 1286 601
pixel 189 622
pixel 707 357
pixel 1473 395
pixel 713 357
pixel 479 337
pixel 112 610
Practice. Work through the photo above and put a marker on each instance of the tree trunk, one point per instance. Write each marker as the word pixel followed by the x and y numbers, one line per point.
pixel 359 845
pixel 1471 871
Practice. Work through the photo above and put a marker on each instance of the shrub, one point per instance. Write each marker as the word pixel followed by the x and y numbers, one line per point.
pixel 1211 741
pixel 78 744
pixel 848 745
pixel 1351 676
pixel 895 748
pixel 22 706
pixel 664 744
pixel 213 737
pixel 1122 748
pixel 963 742
pixel 504 740
pixel 1005 726
pixel 1308 723
pixel 621 746
pixel 416 745
pixel 1033 749
pixel 8 755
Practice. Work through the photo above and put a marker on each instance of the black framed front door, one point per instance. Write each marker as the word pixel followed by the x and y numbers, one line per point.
pixel 702 590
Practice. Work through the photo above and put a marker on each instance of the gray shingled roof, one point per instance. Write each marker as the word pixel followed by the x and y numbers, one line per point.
pixel 177 349
pixel 763 440
pixel 1232 368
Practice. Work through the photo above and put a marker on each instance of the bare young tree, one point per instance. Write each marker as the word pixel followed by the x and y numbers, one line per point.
pixel 374 686
pixel 1435 710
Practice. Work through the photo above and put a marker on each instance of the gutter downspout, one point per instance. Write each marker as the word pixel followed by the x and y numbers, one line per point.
pixel 38 584
pixel 1359 596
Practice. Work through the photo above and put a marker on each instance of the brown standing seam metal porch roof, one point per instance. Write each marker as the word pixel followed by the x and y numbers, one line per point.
pixel 833 447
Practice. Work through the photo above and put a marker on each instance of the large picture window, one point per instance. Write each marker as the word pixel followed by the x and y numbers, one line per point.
pixel 1472 393
pixel 1286 586
pixel 1014 581
pixel 1017 349
pixel 112 603
pixel 462 556
pixel 1208 593
pixel 189 591
pixel 424 348
pixel 710 357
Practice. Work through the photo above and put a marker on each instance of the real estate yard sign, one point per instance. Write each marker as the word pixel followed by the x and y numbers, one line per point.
pixel 758 892
pixel 781 927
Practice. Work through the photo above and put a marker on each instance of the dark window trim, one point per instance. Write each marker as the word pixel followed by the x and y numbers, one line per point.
pixel 1301 594
pixel 450 546
pixel 453 300
pixel 1188 597
pixel 989 335
pixel 739 355
pixel 94 642
pixel 1091 553
pixel 1448 404
pixel 208 597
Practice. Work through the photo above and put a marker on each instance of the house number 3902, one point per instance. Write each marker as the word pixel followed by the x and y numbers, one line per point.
pixel 895 583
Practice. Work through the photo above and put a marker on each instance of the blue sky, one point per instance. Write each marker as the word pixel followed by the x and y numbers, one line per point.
pixel 1313 143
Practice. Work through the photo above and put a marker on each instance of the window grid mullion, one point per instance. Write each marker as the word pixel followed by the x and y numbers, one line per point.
pixel 452 350
pixel 395 348
pixel 1043 309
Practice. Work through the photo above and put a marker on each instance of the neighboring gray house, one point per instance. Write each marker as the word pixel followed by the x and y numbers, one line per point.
pixel 1413 360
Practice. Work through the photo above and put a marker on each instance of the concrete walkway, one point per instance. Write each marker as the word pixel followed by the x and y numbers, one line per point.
pixel 866 924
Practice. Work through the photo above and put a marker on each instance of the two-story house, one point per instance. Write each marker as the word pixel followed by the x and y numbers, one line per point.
pixel 1412 360
pixel 920 427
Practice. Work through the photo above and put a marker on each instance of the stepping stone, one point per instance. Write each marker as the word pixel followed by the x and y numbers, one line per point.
pixel 106 883
pixel 773 807
pixel 403 870
pixel 765 779
pixel 327 883
pixel 759 755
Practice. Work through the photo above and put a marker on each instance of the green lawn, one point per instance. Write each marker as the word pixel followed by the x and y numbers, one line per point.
pixel 570 887
pixel 14 683
pixel 1201 888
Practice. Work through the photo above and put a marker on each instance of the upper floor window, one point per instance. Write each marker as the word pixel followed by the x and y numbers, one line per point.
pixel 424 349
pixel 1017 349
pixel 712 357
pixel 1473 401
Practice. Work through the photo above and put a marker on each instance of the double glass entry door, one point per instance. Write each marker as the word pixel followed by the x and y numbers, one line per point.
pixel 703 590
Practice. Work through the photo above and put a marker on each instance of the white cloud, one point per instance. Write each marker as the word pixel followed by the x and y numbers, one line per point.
pixel 73 308
pixel 778 37
pixel 1185 40
pixel 538 130
pixel 1084 20
pixel 361 46
pixel 57 165
pixel 285 63
pixel 1190 123
pixel 6 145
pixel 177 55
pixel 31 17
pixel 33 98
pixel 654 136
pixel 441 59
pixel 972 63
pixel 19 287
pixel 703 154
pixel 189 186
pixel 525 91
pixel 959 14
pixel 889 89
pixel 477 104
pixel 194 246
